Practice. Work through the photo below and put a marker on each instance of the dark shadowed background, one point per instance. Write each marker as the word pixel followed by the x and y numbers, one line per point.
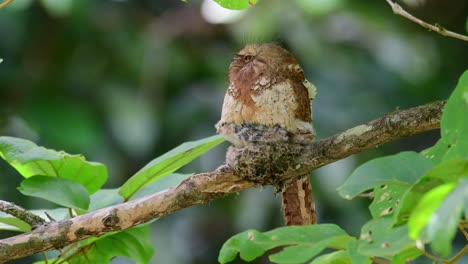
pixel 122 82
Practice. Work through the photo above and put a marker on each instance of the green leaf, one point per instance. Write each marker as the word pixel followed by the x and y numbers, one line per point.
pixel 453 125
pixel 426 207
pixel 251 244
pixel 354 254
pixel 379 238
pixel 402 168
pixel 168 163
pixel 300 253
pixel 133 243
pixel 30 160
pixel 236 4
pixel 57 190
pixel 337 257
pixel 406 255
pixel 443 223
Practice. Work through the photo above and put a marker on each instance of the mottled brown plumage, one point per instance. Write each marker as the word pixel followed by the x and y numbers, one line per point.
pixel 268 101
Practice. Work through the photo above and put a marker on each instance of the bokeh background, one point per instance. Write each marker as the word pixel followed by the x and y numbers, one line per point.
pixel 122 82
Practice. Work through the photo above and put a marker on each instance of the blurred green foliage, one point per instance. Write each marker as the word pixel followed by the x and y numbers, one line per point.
pixel 125 81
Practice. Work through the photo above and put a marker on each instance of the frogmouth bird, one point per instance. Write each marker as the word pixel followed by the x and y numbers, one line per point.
pixel 268 101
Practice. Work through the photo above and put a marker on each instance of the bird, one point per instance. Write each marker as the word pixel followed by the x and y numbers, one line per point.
pixel 268 101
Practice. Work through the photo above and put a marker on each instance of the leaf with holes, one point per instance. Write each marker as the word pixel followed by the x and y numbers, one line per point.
pixel 30 160
pixel 402 168
pixel 380 238
pixel 300 243
pixel 387 198
pixel 167 164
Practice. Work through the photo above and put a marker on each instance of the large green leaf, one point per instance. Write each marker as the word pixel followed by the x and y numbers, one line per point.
pixel 402 168
pixel 236 4
pixel 454 127
pixel 30 160
pixel 352 250
pixel 300 243
pixel 168 163
pixel 57 190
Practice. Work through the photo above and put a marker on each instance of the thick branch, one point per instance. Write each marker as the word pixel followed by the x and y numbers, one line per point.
pixel 21 213
pixel 397 9
pixel 248 162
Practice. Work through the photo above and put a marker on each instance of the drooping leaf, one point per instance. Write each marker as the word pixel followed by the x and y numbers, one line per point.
pixel 61 191
pixel 251 244
pixel 30 160
pixel 236 4
pixel 380 238
pixel 168 163
pixel 402 168
pixel 299 253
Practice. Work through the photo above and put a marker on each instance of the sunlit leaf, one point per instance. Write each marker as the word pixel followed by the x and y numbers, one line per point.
pixel 57 190
pixel 236 4
pixel 443 223
pixel 168 163
pixel 402 168
pixel 30 160
pixel 11 223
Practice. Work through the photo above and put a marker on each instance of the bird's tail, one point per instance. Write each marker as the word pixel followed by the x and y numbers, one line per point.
pixel 298 203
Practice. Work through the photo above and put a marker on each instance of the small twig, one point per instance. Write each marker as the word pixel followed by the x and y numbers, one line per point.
pixel 460 254
pixel 429 255
pixel 462 228
pixel 397 9
pixel 379 261
pixel 50 217
pixel 22 214
pixel 46 260
pixel 369 195
pixel 7 2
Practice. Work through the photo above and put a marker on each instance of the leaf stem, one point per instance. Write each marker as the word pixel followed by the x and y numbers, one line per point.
pixel 7 2
pixel 460 254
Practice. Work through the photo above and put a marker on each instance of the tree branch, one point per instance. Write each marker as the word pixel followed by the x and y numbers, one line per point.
pixel 282 161
pixel 7 2
pixel 22 214
pixel 397 9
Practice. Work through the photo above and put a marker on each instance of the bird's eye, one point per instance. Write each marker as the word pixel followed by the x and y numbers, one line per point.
pixel 248 58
